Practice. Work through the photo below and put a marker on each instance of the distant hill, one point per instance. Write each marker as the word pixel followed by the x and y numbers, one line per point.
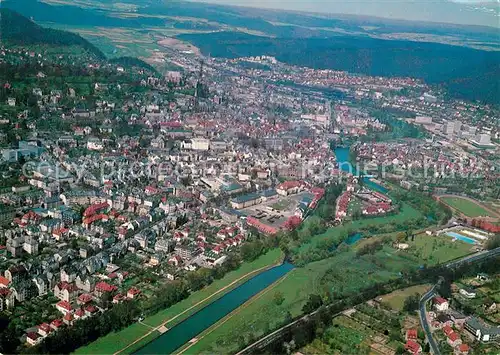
pixel 464 72
pixel 73 15
pixel 17 29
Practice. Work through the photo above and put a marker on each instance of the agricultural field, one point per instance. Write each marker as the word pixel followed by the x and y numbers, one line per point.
pixel 467 207
pixel 345 336
pixel 115 342
pixel 364 329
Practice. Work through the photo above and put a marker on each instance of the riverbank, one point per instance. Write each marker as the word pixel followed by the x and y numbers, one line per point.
pixel 137 335
pixel 205 335
pixel 346 273
pixel 194 325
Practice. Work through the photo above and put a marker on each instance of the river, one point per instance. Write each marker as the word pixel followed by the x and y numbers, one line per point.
pixel 183 332
pixel 342 156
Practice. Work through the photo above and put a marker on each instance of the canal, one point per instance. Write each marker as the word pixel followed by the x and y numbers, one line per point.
pixel 183 332
pixel 342 156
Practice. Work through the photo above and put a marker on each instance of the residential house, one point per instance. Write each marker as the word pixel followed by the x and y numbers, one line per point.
pixel 44 329
pixel 64 307
pixel 66 291
pixel 133 293
pixel 33 338
pixel 85 283
pixel 481 330
pixel 440 304
pixel 413 347
pixel 453 339
pixel 102 288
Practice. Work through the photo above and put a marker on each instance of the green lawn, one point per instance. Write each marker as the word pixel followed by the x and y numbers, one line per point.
pixel 435 250
pixel 468 208
pixel 397 298
pixel 116 341
pixel 341 274
pixel 406 213
pixel 272 257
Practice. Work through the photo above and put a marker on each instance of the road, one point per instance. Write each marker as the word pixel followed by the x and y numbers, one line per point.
pixel 428 296
pixel 423 317
pixel 425 322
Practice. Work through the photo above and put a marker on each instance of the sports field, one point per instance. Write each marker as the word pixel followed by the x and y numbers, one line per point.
pixel 467 206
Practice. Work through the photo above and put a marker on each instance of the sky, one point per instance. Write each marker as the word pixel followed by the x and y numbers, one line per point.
pixel 469 12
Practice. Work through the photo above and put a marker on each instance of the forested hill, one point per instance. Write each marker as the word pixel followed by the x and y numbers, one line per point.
pixel 464 72
pixel 17 29
pixel 132 62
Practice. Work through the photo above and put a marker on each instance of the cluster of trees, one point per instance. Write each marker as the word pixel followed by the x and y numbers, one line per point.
pixel 84 331
pixel 122 315
pixel 430 208
pixel 17 29
pixel 395 128
pixel 411 303
pixel 493 242
pixel 371 248
pixel 308 329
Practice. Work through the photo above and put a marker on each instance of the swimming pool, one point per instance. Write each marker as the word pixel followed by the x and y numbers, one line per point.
pixel 461 237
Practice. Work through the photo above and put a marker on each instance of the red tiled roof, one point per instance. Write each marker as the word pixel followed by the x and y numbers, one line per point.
pixel 447 330
pixel 64 304
pixel 439 300
pixel 134 291
pixel 105 287
pixel 56 323
pixel 411 334
pixel 85 298
pixel 464 348
pixel 63 285
pixel 287 185
pixel 45 327
pixel 412 346
pixel 4 281
pixel 453 336
pixel 33 336
pixel 91 309
pixel 95 208
pixel 80 312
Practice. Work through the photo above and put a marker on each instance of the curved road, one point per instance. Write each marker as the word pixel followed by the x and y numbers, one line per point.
pixel 422 314
pixel 425 322
pixel 429 294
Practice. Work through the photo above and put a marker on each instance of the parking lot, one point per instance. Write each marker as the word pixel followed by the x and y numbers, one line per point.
pixel 276 211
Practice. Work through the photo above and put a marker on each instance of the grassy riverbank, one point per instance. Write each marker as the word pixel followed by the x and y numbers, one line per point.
pixel 139 334
pixel 346 273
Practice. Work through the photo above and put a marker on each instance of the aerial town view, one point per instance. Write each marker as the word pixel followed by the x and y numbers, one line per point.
pixel 181 177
